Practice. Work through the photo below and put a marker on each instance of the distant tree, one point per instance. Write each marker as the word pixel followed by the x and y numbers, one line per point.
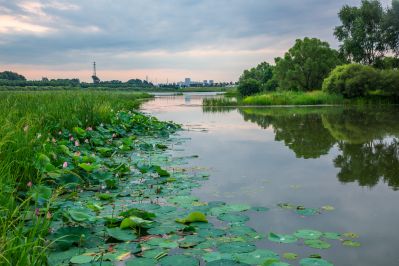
pixel 249 86
pixel 391 27
pixel 305 65
pixel 9 75
pixel 362 32
pixel 262 73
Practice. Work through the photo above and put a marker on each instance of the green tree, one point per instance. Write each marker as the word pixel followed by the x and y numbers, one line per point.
pixel 353 80
pixel 305 65
pixel 262 73
pixel 8 75
pixel 391 27
pixel 362 32
pixel 249 86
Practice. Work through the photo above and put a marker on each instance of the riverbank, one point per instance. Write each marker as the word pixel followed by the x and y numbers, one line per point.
pixel 290 98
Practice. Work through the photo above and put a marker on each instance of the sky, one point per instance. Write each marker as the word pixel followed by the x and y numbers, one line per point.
pixel 166 40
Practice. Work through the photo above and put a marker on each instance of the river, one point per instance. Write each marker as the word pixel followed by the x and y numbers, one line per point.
pixel 343 159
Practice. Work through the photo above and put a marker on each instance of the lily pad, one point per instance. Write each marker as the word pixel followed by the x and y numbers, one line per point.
pixel 290 256
pixel 193 217
pixel 141 262
pixel 214 256
pixel 179 260
pixel 318 244
pixel 306 211
pixel 328 208
pixel 121 235
pixel 350 243
pixel 225 262
pixel 308 234
pixel 351 235
pixel 236 247
pixel 233 218
pixel 256 257
pixel 286 239
pixel 81 259
pixel 332 235
pixel 314 262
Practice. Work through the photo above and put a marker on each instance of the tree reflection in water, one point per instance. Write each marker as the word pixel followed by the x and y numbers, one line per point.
pixel 367 138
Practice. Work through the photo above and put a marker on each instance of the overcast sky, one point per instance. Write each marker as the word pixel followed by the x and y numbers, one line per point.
pixel 161 39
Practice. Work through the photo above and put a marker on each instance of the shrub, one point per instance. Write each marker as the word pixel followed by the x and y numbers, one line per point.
pixel 390 82
pixel 352 80
pixel 249 86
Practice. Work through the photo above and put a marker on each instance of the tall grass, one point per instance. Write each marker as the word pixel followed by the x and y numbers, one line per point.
pixel 294 98
pixel 26 119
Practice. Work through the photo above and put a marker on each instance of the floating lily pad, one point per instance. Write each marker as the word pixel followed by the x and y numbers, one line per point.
pixel 314 262
pixel 290 256
pixel 328 208
pixel 122 235
pixel 233 218
pixel 225 262
pixel 286 239
pixel 229 208
pixel 318 244
pixel 256 257
pixel 308 234
pixel 141 262
pixel 212 256
pixel 191 241
pixel 351 235
pixel 350 243
pixel 236 247
pixel 332 235
pixel 211 232
pixel 193 217
pixel 179 260
pixel 306 211
pixel 81 259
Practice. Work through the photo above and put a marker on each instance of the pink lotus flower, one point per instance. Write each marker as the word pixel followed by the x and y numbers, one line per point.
pixel 77 153
pixel 89 129
pixel 76 143
pixel 37 212
pixel 29 184
pixel 65 165
pixel 71 138
pixel 86 141
pixel 114 135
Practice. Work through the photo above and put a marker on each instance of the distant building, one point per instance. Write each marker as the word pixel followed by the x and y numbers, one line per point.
pixel 211 82
pixel 187 82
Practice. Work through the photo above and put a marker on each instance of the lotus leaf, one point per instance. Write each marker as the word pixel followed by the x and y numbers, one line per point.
pixel 308 234
pixel 318 244
pixel 256 257
pixel 314 262
pixel 286 239
pixel 236 247
pixel 179 260
pixel 121 235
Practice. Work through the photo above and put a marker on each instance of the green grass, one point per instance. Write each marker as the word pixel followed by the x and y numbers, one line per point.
pixel 278 98
pixel 27 120
pixel 293 98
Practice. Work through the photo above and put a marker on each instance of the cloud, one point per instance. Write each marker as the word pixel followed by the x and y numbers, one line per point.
pixel 185 35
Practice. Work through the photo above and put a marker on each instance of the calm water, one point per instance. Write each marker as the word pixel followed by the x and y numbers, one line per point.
pixel 347 158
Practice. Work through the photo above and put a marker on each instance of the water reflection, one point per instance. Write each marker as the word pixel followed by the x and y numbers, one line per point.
pixel 367 138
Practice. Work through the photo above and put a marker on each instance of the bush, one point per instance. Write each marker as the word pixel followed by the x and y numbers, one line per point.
pixel 390 82
pixel 249 86
pixel 352 80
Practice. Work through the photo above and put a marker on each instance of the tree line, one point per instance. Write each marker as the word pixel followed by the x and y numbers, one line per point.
pixel 366 62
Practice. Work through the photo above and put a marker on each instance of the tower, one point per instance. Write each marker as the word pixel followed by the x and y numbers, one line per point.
pixel 96 80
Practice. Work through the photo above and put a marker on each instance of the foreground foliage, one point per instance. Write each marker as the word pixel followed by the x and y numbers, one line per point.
pixel 29 120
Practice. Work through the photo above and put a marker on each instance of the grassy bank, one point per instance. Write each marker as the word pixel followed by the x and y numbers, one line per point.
pixel 29 121
pixel 278 98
